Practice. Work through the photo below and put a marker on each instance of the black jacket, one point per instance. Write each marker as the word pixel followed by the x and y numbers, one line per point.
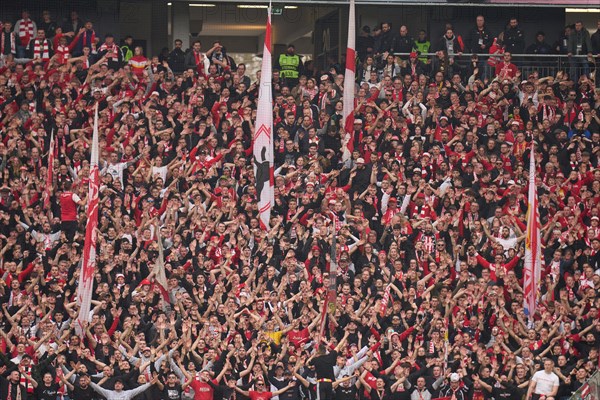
pixel 384 42
pixel 596 42
pixel 539 48
pixel 514 40
pixel 472 43
pixel 403 44
pixel 4 385
pixel 176 60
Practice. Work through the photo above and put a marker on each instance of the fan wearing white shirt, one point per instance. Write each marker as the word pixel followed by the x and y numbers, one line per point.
pixel 163 171
pixel 543 383
pixel 505 240
pixel 116 168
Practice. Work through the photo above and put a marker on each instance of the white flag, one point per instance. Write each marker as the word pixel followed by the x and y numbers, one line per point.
pixel 263 135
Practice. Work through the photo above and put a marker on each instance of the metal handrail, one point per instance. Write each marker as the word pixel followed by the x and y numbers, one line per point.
pixel 591 386
pixel 542 64
pixel 500 54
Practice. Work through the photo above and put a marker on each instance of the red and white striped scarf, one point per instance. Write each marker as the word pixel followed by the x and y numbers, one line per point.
pixel 41 49
pixel 114 49
pixel 88 41
pixel 62 388
pixel 13 45
pixel 548 112
pixel 18 396
pixel 63 53
pixel 25 31
pixel 24 381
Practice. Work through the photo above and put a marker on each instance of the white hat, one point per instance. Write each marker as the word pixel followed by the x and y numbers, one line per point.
pixel 454 377
pixel 360 160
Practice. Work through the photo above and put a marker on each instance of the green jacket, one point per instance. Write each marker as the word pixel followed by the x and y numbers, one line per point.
pixel 423 47
pixel 290 66
pixel 127 53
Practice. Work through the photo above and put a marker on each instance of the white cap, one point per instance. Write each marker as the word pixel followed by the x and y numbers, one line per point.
pixel 454 377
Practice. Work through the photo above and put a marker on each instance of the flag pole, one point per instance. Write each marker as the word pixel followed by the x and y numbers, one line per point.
pixel 88 264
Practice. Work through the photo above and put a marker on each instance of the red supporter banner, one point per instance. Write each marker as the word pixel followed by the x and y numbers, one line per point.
pixel 88 267
pixel 533 250
pixel 50 173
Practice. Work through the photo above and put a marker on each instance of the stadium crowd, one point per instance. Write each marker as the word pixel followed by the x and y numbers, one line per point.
pixel 430 208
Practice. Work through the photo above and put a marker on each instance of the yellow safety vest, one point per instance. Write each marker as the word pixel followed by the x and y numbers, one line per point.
pixel 289 66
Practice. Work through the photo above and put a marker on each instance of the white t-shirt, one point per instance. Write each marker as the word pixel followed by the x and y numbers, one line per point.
pixel 507 244
pixel 161 171
pixel 116 170
pixel 545 382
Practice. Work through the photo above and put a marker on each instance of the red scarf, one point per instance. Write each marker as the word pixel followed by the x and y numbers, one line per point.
pixel 13 46
pixel 25 31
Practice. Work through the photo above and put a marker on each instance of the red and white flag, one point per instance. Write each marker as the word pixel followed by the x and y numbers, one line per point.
pixel 533 250
pixel 385 301
pixel 88 267
pixel 263 135
pixel 349 79
pixel 159 270
pixel 50 175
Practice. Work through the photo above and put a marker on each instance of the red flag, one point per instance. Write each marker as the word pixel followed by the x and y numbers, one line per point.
pixel 263 140
pixel 349 78
pixel 88 267
pixel 50 174
pixel 385 301
pixel 533 251
pixel 322 320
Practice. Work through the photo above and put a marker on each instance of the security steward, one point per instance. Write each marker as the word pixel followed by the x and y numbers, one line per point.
pixel 290 65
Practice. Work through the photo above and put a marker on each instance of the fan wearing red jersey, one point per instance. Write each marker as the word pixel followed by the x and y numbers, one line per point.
pixel 68 211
